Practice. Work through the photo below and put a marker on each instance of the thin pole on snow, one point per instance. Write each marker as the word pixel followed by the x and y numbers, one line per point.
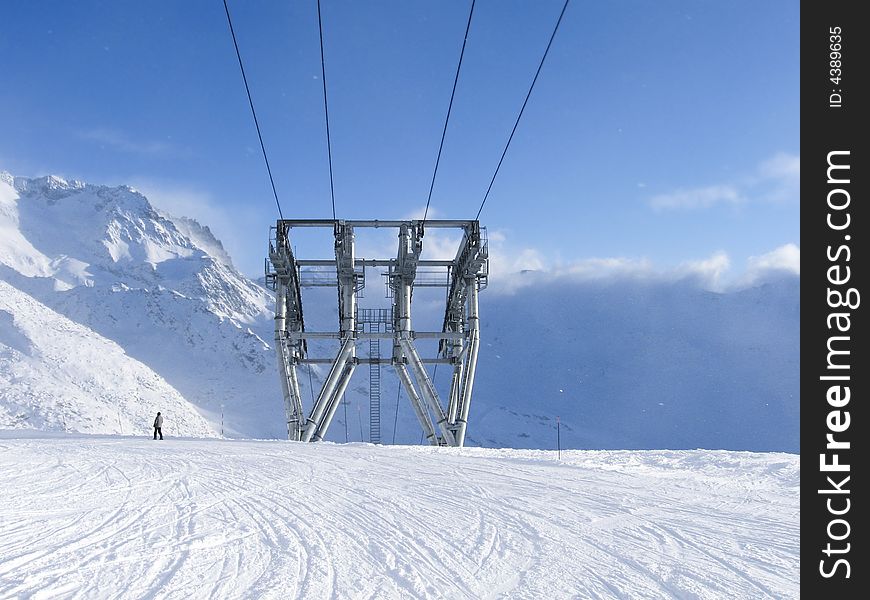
pixel 559 437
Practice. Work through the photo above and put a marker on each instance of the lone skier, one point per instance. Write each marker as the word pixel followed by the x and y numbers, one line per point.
pixel 158 424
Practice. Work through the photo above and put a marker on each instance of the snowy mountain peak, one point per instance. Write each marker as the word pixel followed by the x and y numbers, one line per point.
pixel 49 185
pixel 84 234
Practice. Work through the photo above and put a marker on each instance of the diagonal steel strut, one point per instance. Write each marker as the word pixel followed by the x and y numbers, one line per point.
pixel 417 404
pixel 327 391
pixel 429 392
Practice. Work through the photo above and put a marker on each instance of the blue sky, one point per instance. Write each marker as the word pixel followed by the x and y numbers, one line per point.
pixel 664 132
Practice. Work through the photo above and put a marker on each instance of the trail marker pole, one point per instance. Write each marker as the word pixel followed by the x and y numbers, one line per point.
pixel 222 420
pixel 559 437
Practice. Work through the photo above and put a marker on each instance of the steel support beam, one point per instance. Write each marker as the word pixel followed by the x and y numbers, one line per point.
pixel 347 279
pixel 455 387
pixel 336 400
pixel 416 403
pixel 368 262
pixel 284 363
pixel 374 361
pixel 375 224
pixel 471 362
pixel 326 393
pixel 345 364
pixel 334 335
pixel 428 390
pixel 288 316
pixel 294 428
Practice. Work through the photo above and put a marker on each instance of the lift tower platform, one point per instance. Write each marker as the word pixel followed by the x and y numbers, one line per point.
pixel 458 341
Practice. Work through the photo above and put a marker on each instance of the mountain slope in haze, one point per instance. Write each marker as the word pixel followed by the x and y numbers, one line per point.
pixel 643 364
pixel 626 362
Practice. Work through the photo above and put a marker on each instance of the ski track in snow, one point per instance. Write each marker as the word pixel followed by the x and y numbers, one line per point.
pixel 114 517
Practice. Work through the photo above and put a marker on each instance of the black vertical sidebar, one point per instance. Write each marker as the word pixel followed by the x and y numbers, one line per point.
pixel 835 373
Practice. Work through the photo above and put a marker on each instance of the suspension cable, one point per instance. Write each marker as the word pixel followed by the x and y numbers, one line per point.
pixel 396 419
pixel 253 112
pixel 449 108
pixel 519 116
pixel 310 384
pixel 326 109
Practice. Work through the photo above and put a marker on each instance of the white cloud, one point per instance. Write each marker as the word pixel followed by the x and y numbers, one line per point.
pixel 703 197
pixel 710 270
pixel 505 261
pixel 418 213
pixel 440 244
pixel 605 268
pixel 514 269
pixel 783 166
pixel 779 178
pixel 785 259
pixel 776 179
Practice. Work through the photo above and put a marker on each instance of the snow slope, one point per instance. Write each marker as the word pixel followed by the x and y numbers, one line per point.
pixel 113 516
pixel 163 289
pixel 55 373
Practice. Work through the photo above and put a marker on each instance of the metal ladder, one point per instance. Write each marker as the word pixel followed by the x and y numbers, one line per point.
pixel 374 320
pixel 374 389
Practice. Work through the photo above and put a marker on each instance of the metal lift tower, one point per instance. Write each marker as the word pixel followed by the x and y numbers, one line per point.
pixel 459 340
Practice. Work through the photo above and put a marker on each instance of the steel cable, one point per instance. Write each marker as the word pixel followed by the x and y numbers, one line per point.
pixel 449 109
pixel 253 111
pixel 519 116
pixel 326 109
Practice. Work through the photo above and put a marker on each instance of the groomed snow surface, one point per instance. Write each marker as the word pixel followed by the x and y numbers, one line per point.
pixel 111 516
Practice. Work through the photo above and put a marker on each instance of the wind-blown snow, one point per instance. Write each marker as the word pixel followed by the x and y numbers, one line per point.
pixel 201 236
pixel 112 516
